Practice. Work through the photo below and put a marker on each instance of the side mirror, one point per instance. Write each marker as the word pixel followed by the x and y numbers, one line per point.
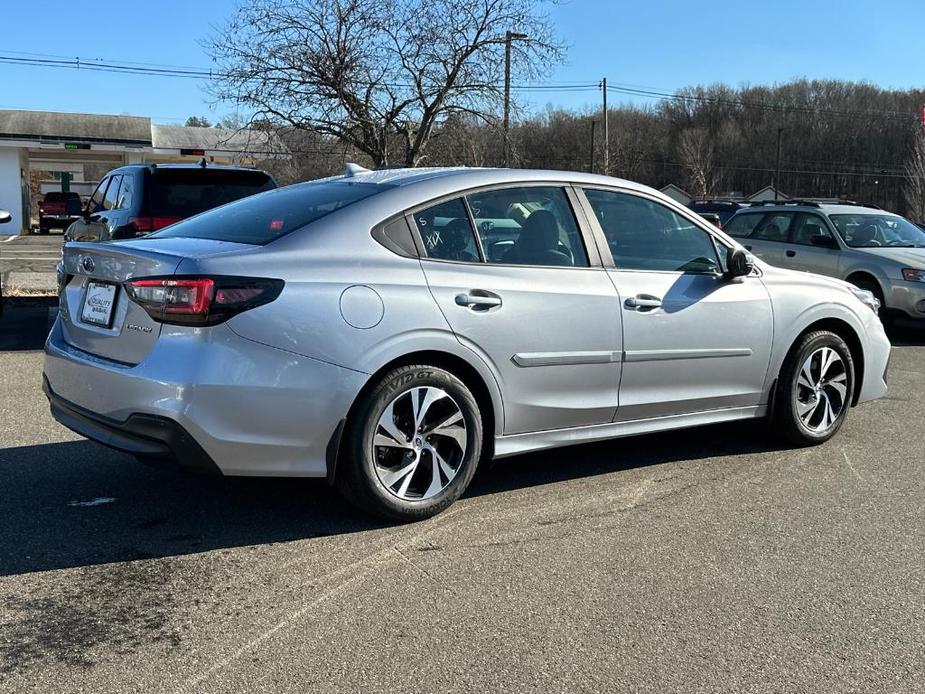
pixel 5 217
pixel 823 241
pixel 738 263
pixel 712 218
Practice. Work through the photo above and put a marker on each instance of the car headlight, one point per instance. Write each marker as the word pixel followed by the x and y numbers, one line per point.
pixel 912 275
pixel 867 298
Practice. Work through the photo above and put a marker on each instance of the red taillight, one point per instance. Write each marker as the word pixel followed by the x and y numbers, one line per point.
pixel 200 300
pixel 146 224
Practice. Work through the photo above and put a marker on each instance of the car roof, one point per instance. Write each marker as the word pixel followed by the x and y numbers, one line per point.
pixel 825 208
pixel 460 177
pixel 189 166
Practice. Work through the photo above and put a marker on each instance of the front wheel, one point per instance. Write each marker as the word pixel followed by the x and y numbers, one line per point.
pixel 412 446
pixel 814 389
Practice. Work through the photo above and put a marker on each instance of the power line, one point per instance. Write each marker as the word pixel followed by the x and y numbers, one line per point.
pixel 187 72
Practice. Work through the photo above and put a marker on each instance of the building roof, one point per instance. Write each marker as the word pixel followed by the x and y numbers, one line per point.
pixel 216 139
pixel 52 126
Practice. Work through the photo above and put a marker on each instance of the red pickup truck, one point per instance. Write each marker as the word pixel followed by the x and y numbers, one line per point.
pixel 58 210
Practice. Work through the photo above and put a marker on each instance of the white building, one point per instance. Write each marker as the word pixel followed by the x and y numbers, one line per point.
pixel 67 142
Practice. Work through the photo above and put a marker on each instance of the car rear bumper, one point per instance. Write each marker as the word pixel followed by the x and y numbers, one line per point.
pixel 144 435
pixel 205 396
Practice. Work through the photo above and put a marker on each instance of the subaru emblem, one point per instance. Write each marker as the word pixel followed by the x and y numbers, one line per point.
pixel 88 264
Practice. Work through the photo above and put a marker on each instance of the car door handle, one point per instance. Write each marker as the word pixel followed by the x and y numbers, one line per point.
pixel 643 302
pixel 791 254
pixel 478 299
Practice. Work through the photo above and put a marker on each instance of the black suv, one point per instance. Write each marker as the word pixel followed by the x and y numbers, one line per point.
pixel 722 208
pixel 137 199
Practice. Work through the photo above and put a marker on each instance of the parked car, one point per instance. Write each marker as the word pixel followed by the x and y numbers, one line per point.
pixel 390 329
pixel 866 246
pixel 713 218
pixel 5 218
pixel 723 208
pixel 137 199
pixel 58 210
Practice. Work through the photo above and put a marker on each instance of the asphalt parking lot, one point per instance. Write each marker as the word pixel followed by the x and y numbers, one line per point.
pixel 707 560
pixel 28 262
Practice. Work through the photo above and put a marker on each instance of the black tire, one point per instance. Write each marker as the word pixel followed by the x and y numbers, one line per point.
pixel 356 473
pixel 786 420
pixel 887 316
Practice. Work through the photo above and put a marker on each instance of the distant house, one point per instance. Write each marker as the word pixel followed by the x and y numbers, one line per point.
pixel 677 194
pixel 767 193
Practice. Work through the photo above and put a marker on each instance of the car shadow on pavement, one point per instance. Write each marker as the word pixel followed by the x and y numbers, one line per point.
pixel 77 504
pixel 907 333
pixel 25 322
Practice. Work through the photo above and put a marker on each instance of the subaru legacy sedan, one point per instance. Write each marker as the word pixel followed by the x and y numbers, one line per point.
pixel 391 330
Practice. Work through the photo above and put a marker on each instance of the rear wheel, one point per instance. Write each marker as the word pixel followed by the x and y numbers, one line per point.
pixel 814 389
pixel 412 446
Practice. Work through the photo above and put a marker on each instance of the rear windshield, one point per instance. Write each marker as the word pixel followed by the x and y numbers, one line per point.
pixel 265 218
pixel 185 192
pixel 60 197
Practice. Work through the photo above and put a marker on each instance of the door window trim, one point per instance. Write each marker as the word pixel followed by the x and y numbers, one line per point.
pixel 689 215
pixel 595 261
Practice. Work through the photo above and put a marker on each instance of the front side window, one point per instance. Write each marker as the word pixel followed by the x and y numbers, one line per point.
pixel 646 235
pixel 446 232
pixel 878 230
pixel 811 230
pixel 529 225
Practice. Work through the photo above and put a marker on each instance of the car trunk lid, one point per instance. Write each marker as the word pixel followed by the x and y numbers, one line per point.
pixel 96 313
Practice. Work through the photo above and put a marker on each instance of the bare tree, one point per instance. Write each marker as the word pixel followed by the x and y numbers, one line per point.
pixel 695 150
pixel 377 74
pixel 914 188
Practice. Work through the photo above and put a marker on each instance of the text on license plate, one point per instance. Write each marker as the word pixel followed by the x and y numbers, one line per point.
pixel 99 303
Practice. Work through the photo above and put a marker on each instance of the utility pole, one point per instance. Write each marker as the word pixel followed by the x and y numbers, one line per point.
pixel 509 36
pixel 780 132
pixel 591 153
pixel 606 130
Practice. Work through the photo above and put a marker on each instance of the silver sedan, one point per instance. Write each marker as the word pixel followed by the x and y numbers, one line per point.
pixel 391 330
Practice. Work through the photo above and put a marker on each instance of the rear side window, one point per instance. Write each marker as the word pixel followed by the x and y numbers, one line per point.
pixel 774 226
pixel 186 192
pixel 447 233
pixel 112 193
pixel 126 193
pixel 261 219
pixel 530 225
pixel 96 200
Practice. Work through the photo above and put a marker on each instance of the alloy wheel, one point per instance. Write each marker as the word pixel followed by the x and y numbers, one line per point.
pixel 822 390
pixel 420 443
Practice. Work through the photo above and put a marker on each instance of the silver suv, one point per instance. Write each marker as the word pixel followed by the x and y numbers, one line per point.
pixel 870 248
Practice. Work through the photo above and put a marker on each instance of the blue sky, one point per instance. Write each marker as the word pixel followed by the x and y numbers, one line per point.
pixel 656 44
